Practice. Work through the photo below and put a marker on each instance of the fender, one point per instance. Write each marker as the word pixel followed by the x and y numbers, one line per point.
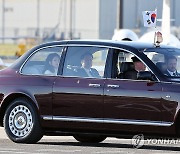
pixel 11 96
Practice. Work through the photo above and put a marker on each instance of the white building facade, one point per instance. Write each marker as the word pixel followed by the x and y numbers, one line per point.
pixel 88 19
pixel 85 19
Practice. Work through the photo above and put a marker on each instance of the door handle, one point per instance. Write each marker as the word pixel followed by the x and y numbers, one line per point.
pixel 168 96
pixel 94 85
pixel 112 86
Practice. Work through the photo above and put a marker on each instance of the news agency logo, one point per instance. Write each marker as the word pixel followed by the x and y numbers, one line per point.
pixel 138 141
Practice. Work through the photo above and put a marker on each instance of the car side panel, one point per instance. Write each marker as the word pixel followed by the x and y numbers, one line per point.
pixel 37 88
pixel 132 102
pixel 170 101
pixel 77 102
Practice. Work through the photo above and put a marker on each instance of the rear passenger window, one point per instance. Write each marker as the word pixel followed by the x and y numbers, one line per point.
pixel 43 62
pixel 85 62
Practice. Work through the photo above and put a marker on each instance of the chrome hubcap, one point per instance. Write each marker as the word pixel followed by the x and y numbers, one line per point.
pixel 20 121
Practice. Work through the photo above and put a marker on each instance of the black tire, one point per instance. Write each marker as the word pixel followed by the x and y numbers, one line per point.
pixel 21 122
pixel 89 138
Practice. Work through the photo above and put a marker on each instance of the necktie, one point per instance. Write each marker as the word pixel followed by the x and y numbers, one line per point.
pixel 174 74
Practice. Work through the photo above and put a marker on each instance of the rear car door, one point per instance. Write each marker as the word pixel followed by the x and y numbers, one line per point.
pixel 78 98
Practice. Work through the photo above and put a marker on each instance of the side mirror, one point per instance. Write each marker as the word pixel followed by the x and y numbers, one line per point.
pixel 145 75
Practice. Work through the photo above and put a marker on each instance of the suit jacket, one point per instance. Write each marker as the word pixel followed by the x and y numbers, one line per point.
pixel 168 74
pixel 82 73
pixel 132 74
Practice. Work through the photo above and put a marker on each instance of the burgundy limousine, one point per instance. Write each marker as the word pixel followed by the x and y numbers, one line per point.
pixel 91 90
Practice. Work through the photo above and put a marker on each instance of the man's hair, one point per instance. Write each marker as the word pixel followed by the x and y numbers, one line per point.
pixel 135 59
pixel 86 54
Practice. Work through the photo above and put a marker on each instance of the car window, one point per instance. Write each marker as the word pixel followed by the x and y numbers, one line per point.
pixel 166 60
pixel 128 66
pixel 43 62
pixel 85 62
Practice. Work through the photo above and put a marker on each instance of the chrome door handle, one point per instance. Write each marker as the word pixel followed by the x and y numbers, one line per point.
pixel 112 86
pixel 168 96
pixel 94 85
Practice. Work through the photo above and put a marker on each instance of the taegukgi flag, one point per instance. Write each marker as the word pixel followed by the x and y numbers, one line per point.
pixel 149 18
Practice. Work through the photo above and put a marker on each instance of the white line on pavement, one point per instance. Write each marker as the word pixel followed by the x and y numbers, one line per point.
pixel 9 151
pixel 55 150
pixel 6 149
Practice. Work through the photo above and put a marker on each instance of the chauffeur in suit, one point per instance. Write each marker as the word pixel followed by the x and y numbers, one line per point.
pixel 171 63
pixel 86 70
pixel 134 68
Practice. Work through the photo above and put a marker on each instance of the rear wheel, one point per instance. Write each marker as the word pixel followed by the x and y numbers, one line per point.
pixel 89 138
pixel 21 122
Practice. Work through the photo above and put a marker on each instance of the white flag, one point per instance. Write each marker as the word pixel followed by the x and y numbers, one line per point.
pixel 149 18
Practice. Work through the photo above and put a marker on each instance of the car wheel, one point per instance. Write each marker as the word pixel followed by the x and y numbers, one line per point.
pixel 89 138
pixel 21 122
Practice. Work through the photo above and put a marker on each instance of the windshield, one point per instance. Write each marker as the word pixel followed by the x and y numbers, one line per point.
pixel 166 60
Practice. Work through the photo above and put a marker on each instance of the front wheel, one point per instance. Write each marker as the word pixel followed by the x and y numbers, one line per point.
pixel 21 122
pixel 89 138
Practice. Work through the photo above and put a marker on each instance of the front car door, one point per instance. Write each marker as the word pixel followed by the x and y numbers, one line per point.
pixel 170 84
pixel 131 104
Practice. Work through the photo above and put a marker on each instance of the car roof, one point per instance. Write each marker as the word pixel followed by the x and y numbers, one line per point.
pixel 123 44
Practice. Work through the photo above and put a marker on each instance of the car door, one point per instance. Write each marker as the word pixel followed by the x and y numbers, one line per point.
pixel 130 102
pixel 78 98
pixel 170 101
pixel 37 82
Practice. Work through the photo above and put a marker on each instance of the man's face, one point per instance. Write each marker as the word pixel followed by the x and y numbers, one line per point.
pixel 87 62
pixel 171 65
pixel 139 66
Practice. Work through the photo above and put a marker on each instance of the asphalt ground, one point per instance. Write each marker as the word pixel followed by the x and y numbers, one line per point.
pixel 68 145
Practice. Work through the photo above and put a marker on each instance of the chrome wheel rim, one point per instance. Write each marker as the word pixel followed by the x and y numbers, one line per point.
pixel 20 121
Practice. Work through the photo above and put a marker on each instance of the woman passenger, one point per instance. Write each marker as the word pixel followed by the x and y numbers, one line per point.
pixel 52 64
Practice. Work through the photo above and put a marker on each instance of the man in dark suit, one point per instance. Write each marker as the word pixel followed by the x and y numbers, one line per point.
pixel 133 70
pixel 171 63
pixel 138 65
pixel 86 70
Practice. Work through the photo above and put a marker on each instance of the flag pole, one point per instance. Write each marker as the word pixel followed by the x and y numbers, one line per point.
pixel 155 38
pixel 155 34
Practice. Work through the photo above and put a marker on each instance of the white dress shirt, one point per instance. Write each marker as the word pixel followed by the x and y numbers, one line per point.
pixel 172 73
pixel 88 72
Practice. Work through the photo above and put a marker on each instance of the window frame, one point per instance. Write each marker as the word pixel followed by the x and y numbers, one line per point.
pixel 64 56
pixel 33 53
pixel 115 50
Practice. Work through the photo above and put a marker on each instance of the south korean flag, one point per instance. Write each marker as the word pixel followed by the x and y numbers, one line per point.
pixel 149 18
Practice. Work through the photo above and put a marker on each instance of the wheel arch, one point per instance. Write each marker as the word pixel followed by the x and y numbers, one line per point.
pixel 8 99
pixel 177 123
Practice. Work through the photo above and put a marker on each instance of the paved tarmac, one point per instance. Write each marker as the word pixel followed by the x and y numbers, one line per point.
pixel 2 133
pixel 68 145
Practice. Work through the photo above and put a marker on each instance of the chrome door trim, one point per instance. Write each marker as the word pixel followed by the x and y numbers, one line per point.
pixel 111 121
pixel 47 117
pixel 49 46
pixel 69 44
